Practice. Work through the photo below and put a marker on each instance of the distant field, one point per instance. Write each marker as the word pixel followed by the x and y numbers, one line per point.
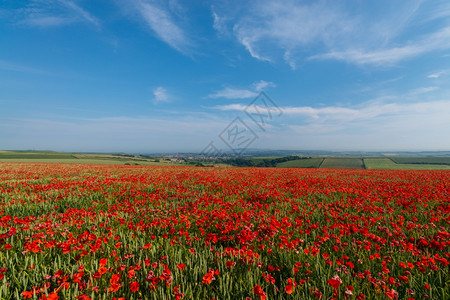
pixel 343 163
pixel 302 163
pixel 422 160
pixel 387 163
pixel 397 163
pixel 83 161
pixel 50 157
pixel 35 155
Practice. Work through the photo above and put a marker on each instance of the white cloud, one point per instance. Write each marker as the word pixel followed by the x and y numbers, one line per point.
pixel 363 112
pixel 219 23
pixel 55 13
pixel 82 13
pixel 262 85
pixel 424 90
pixel 161 21
pixel 230 93
pixel 233 93
pixel 287 26
pixel 436 41
pixel 248 44
pixel 293 30
pixel 160 94
pixel 373 125
pixel 436 75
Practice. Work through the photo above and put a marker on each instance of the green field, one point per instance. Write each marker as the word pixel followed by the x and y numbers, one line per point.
pixel 343 163
pixel 55 157
pixel 35 155
pixel 302 163
pixel 387 163
pixel 422 160
pixel 396 163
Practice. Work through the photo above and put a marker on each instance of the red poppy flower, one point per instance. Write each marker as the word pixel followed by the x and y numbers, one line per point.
pixel 134 286
pixel 258 291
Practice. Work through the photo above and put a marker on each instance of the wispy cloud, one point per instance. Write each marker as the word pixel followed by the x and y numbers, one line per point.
pixel 287 25
pixel 331 112
pixel 43 13
pixel 219 23
pixel 291 30
pixel 164 24
pixel 373 125
pixel 262 85
pixel 437 74
pixel 364 112
pixel 231 93
pixel 436 41
pixel 160 94
pixel 9 66
pixel 234 93
pixel 424 90
pixel 82 13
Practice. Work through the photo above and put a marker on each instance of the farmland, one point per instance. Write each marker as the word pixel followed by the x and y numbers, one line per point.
pixel 390 164
pixel 76 158
pixel 382 163
pixel 302 163
pixel 422 160
pixel 71 231
pixel 343 163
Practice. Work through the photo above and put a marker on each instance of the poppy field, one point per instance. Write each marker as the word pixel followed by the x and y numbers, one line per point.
pixel 149 232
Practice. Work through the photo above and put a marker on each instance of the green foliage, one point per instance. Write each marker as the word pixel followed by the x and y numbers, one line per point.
pixel 343 163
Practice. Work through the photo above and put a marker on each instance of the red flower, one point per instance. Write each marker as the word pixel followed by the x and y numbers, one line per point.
pixel 114 287
pixel 230 264
pixel 181 266
pixel 350 265
pixel 258 291
pixel 290 286
pixel 269 278
pixel 27 294
pixel 103 262
pixel 335 282
pixel 115 279
pixel 102 270
pixel 52 296
pixel 209 277
pixel 134 286
pixel 392 294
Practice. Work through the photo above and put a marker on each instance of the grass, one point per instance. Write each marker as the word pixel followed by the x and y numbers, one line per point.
pixel 35 155
pixel 85 161
pixel 343 163
pixel 71 158
pixel 422 160
pixel 302 163
pixel 387 163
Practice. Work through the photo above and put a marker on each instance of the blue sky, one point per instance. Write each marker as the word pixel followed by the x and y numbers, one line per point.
pixel 154 76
